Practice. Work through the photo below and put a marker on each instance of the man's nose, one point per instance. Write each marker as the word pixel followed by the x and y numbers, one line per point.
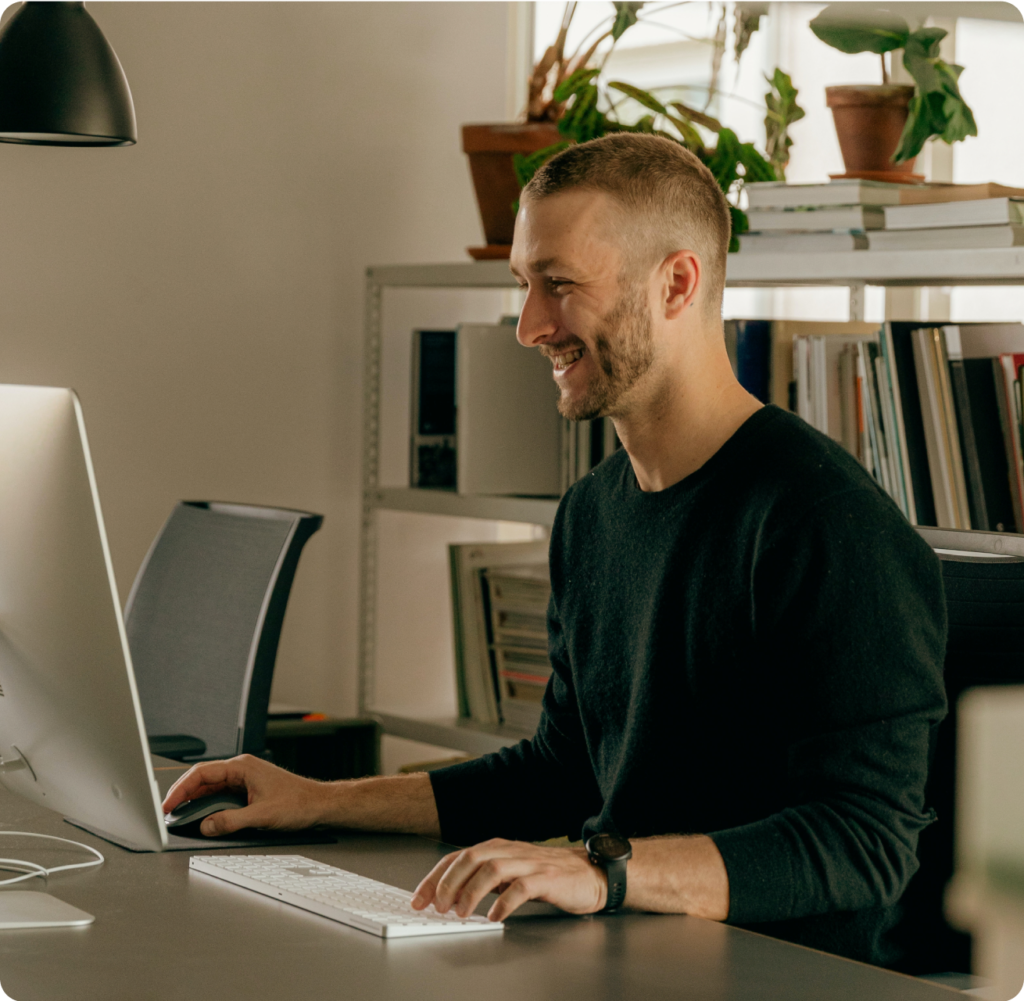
pixel 536 322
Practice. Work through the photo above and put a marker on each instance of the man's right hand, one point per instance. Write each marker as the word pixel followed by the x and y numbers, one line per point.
pixel 281 801
pixel 278 800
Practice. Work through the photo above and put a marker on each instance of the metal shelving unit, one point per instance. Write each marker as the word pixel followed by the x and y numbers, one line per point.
pixel 854 270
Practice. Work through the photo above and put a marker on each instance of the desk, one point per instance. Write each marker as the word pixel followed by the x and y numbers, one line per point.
pixel 162 934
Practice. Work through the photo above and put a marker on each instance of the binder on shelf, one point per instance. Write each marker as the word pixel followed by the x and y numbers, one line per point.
pixel 475 671
pixel 433 443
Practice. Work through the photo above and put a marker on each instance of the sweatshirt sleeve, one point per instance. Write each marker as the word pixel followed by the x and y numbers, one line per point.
pixel 538 789
pixel 853 627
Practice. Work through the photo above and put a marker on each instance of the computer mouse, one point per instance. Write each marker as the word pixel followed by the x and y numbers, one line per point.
pixel 194 810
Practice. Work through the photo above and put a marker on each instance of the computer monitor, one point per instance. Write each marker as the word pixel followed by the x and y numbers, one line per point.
pixel 71 731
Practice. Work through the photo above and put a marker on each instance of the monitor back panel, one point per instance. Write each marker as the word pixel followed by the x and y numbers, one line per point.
pixel 68 704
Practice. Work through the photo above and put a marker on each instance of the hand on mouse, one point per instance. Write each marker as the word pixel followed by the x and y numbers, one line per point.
pixel 278 800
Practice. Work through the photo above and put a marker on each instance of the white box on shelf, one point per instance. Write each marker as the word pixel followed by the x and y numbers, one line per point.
pixel 508 425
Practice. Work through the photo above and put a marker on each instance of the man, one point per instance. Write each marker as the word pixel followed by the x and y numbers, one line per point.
pixel 746 636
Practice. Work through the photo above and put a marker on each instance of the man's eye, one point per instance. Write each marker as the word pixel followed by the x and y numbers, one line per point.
pixel 557 283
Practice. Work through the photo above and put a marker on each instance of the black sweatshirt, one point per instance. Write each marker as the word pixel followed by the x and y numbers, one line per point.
pixel 754 653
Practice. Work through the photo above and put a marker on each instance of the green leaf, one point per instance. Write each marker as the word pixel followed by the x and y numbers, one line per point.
pixel 574 83
pixel 860 27
pixel 783 110
pixel 724 160
pixel 755 166
pixel 527 166
pixel 937 109
pixel 640 96
pixel 625 17
pixel 748 20
pixel 740 224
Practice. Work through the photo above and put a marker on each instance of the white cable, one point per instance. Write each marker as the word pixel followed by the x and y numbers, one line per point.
pixel 34 869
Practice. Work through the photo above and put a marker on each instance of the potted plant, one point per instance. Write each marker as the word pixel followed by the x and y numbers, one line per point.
pixel 882 128
pixel 569 96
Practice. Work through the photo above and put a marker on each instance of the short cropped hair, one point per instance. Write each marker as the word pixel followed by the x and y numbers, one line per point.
pixel 672 198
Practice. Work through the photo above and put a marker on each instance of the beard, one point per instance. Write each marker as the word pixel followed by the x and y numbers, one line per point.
pixel 624 352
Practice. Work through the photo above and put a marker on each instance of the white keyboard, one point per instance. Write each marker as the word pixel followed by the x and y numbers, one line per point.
pixel 334 893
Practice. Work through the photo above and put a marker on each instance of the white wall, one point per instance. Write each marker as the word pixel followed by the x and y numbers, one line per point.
pixel 203 290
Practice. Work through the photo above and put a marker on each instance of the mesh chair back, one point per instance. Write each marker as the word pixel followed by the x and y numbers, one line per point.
pixel 983 576
pixel 204 618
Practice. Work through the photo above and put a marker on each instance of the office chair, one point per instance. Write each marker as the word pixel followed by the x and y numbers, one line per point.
pixel 983 575
pixel 203 621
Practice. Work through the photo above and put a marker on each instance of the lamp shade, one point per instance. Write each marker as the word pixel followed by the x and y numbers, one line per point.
pixel 61 83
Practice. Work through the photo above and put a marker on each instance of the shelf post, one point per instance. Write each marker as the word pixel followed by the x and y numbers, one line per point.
pixel 371 463
pixel 857 302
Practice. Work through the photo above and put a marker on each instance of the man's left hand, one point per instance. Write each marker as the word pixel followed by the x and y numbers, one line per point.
pixel 518 871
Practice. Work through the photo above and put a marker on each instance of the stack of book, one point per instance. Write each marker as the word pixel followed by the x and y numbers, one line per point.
pixel 519 640
pixel 933 413
pixel 862 215
pixel 500 594
pixel 995 218
pixel 815 218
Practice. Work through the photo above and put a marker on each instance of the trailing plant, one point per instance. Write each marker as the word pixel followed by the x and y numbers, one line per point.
pixel 936 109
pixel 586 107
pixel 782 112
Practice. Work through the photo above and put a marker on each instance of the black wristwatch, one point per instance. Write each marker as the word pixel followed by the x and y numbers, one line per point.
pixel 611 853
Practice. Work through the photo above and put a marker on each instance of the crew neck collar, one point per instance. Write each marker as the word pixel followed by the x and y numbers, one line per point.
pixel 751 426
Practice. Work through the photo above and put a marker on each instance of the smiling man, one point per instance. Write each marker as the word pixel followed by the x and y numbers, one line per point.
pixel 746 636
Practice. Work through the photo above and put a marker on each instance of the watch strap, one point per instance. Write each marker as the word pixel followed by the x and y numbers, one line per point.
pixel 616 873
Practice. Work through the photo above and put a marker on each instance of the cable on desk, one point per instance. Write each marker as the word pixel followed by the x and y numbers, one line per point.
pixel 32 869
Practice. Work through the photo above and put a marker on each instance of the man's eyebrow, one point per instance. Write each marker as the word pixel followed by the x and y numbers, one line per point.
pixel 542 265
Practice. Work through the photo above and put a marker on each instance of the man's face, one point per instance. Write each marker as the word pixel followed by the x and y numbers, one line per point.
pixel 580 312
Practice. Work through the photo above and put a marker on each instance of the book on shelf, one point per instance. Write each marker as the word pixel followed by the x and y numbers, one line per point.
pixel 472 566
pixel 938 417
pixel 956 430
pixel 781 195
pixel 974 371
pixel 1009 393
pixel 761 353
pixel 853 218
pixel 801 243
pixel 585 444
pixel 947 238
pixel 940 192
pixel 939 215
pixel 842 390
pixel 931 412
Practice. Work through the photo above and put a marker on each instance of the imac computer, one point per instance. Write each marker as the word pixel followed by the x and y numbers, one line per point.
pixel 72 736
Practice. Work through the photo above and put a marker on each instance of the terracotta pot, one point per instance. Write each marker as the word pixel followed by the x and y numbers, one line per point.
pixel 869 121
pixel 490 149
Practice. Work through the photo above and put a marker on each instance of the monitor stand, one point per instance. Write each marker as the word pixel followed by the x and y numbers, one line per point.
pixel 32 909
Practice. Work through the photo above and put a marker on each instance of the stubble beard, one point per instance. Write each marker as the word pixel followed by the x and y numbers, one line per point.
pixel 624 353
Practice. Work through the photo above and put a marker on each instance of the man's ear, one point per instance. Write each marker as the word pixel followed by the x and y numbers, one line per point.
pixel 683 273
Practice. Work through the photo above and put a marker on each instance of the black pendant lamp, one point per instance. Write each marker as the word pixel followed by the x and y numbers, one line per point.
pixel 61 83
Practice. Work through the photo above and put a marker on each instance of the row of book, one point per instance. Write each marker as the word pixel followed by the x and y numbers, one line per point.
pixel 500 595
pixel 934 413
pixel 874 215
pixel 484 417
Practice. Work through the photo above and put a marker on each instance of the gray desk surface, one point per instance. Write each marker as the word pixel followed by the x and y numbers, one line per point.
pixel 162 932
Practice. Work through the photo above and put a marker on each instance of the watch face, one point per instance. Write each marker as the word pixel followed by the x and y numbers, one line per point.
pixel 609 846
